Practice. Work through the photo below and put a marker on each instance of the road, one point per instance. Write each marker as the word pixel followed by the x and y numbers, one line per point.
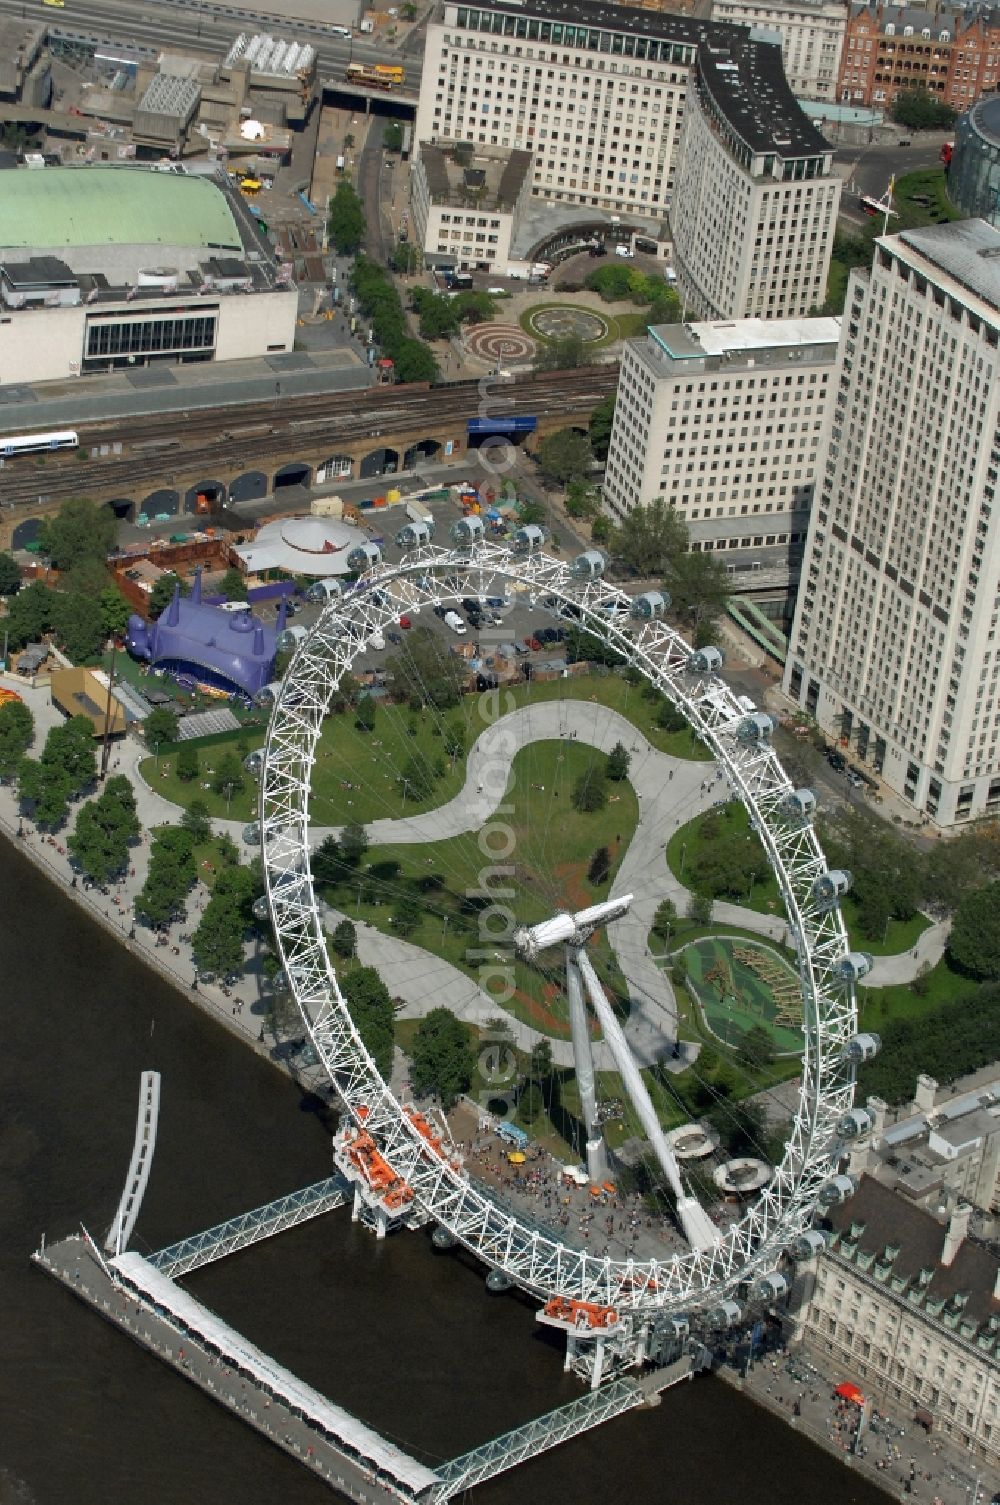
pixel 868 169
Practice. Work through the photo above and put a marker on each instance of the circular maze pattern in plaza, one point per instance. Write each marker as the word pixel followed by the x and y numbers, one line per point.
pixel 714 1271
pixel 500 343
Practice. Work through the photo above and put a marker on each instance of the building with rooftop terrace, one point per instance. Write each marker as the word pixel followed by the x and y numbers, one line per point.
pixel 595 91
pixel 105 267
pixel 894 646
pixel 725 422
pixel 908 1306
pixel 467 202
pixel 755 207
pixel 811 32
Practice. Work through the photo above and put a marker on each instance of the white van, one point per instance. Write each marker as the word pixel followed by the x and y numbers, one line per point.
pixel 670 275
pixel 234 606
pixel 454 621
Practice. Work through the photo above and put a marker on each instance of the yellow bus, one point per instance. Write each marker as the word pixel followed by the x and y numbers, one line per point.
pixel 250 186
pixel 390 71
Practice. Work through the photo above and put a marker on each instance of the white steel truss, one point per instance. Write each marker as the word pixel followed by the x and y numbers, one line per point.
pixel 250 1228
pixel 534 1259
pixel 535 1437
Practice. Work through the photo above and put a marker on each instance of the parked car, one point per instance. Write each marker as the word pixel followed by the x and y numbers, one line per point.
pixel 394 637
pixel 405 622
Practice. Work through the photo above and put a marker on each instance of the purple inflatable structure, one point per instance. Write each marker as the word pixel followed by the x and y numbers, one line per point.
pixel 231 649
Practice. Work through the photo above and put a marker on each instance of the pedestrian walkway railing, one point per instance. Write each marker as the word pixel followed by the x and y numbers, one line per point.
pixel 250 1227
pixel 535 1437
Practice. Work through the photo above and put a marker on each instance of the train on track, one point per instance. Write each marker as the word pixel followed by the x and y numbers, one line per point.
pixel 36 444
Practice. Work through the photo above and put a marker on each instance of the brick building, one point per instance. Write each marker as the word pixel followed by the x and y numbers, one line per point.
pixel 952 53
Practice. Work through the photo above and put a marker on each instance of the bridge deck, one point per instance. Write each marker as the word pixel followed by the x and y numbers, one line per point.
pixel 74 1265
pixel 250 1228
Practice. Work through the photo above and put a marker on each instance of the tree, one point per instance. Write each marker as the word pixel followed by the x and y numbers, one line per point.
pixel 756 1048
pixel 217 943
pixel 590 792
pixel 651 538
pixel 601 423
pixel 974 943
pixel 392 136
pixel 344 940
pixel 46 789
pixel 669 718
pixel 229 778
pixel 347 220
pixel 197 821
pixel 921 111
pixel 81 529
pixel 475 307
pixel 69 748
pixel 566 353
pixel 565 455
pixel 619 759
pixel 406 914
pixel 369 1003
pixel 442 1057
pixel 104 828
pixel 233 585
pixel 602 529
pixel 582 500
pixel 29 614
pixel 10 575
pixel 698 585
pixel 416 780
pixel 88 577
pixel 354 843
pixel 160 726
pixel 426 672
pixel 162 593
pixel 364 714
pixel 415 362
pixel 665 919
pixel 613 282
pixel 530 1104
pixel 78 623
pixel 188 764
pixel 115 611
pixel 599 870
pixel 700 909
pixel 17 729
pixel 540 1065
pixel 170 875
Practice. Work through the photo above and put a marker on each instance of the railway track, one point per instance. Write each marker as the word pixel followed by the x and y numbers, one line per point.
pixel 209 440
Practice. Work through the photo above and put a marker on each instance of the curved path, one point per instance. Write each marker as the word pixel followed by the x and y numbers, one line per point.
pixel 671 792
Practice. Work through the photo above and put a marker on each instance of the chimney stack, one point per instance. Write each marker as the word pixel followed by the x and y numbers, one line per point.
pixel 923 1101
pixel 878 1109
pixel 958 1227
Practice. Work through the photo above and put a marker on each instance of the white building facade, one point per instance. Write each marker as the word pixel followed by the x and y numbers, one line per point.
pixel 755 206
pixel 894 645
pixel 472 222
pixel 907 1306
pixel 725 421
pixel 812 38
pixel 595 92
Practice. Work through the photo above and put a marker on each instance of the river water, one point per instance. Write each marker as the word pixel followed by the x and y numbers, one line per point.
pixel 407 1338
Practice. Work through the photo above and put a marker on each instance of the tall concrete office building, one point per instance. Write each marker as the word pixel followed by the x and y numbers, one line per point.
pixel 596 92
pixel 755 206
pixel 726 422
pixel 894 645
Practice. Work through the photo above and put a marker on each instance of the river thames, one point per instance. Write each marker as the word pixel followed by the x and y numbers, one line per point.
pixel 408 1339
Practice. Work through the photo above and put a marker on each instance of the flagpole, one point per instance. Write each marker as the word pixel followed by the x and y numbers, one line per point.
pixel 888 205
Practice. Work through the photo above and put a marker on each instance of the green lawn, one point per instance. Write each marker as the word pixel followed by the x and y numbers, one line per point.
pixel 688 841
pixel 357 775
pixel 550 845
pixel 854 248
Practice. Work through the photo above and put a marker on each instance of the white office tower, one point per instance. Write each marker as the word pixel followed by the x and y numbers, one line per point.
pixel 596 92
pixel 812 38
pixel 755 204
pixel 894 646
pixel 725 421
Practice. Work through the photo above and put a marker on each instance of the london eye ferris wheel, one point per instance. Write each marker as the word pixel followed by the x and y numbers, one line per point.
pixel 712 1270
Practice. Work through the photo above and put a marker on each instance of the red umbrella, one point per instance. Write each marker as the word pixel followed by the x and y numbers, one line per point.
pixel 850 1392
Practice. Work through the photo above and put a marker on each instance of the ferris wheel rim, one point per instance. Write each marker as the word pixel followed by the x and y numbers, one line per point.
pixel 535 1261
